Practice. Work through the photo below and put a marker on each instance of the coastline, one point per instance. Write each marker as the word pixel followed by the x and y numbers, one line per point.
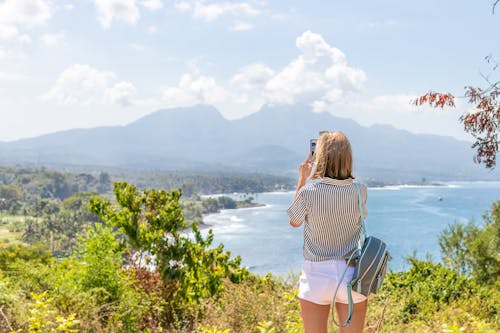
pixel 393 187
pixel 204 225
pixel 279 245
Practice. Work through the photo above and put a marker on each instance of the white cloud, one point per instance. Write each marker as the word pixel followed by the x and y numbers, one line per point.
pixel 254 76
pixel 316 51
pixel 52 39
pixel 213 11
pixel 319 75
pixel 152 4
pixel 22 14
pixel 319 106
pixel 242 26
pixel 85 85
pixel 121 94
pixel 10 32
pixel 183 6
pixel 119 10
pixel 25 12
pixel 193 89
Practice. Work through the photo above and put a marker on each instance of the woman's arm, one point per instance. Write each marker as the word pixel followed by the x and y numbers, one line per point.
pixel 304 172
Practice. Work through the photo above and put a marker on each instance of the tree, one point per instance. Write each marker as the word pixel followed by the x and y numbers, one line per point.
pixel 154 228
pixel 58 224
pixel 470 249
pixel 226 202
pixel 484 123
pixel 10 197
pixel 100 252
pixel 104 182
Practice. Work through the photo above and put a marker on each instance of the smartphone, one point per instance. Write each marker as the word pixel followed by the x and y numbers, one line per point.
pixel 313 146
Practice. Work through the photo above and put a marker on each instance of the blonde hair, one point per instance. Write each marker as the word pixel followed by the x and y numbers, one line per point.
pixel 333 157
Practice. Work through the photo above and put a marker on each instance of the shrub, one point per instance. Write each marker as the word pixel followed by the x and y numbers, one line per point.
pixel 100 271
pixel 473 250
pixel 259 304
pixel 430 296
pixel 426 288
pixel 11 253
pixel 154 228
pixel 44 317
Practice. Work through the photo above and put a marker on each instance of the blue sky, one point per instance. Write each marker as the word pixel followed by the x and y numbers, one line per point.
pixel 74 64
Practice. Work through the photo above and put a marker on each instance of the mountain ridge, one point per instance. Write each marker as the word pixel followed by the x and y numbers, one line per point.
pixel 271 140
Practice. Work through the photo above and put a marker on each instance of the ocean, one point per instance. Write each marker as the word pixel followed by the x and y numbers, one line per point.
pixel 409 218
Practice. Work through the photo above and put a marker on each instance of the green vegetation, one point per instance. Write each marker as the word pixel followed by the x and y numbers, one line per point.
pixel 193 183
pixel 474 251
pixel 51 207
pixel 30 185
pixel 42 205
pixel 95 263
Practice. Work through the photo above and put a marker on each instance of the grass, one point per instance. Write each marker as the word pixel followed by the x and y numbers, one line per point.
pixel 11 227
pixel 5 218
pixel 7 236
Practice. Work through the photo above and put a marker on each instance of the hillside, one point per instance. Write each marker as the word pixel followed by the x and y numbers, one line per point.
pixel 275 139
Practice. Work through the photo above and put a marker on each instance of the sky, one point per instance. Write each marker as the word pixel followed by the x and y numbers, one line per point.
pixel 89 63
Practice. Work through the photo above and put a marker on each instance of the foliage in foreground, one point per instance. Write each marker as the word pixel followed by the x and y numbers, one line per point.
pixel 153 224
pixel 430 297
pixel 141 272
pixel 474 250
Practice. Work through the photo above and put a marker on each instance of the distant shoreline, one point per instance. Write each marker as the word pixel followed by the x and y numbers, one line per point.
pixel 389 187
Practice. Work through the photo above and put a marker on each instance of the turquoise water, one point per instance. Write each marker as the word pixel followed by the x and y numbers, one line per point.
pixel 408 218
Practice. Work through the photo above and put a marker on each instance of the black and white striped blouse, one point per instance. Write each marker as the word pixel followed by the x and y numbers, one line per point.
pixel 329 210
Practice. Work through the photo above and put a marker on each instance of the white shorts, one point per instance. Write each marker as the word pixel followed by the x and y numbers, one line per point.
pixel 319 280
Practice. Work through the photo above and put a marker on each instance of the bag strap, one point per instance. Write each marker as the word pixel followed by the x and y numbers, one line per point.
pixel 349 295
pixel 362 237
pixel 363 234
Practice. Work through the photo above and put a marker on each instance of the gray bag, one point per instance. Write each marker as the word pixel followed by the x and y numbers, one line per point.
pixel 371 259
pixel 370 266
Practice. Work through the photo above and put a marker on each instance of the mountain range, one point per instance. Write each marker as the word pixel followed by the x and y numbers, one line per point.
pixel 273 140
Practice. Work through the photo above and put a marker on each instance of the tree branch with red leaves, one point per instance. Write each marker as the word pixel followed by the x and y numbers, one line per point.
pixel 483 123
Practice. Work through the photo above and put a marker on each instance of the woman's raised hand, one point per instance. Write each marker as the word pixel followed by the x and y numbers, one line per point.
pixel 305 168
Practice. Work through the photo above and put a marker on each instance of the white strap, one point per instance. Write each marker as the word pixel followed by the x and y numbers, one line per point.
pixel 363 232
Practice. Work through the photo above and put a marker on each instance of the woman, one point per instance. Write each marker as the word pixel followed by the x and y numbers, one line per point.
pixel 329 211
